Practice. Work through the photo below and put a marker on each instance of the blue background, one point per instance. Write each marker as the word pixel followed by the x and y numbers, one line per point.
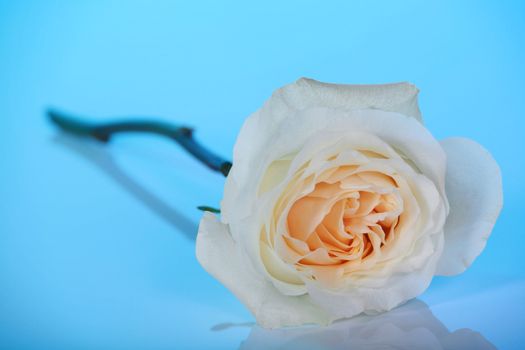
pixel 96 243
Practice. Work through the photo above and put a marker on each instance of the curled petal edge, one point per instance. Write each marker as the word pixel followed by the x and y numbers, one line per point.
pixel 475 194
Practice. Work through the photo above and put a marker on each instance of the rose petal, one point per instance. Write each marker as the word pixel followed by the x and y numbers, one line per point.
pixel 217 253
pixel 397 97
pixel 474 191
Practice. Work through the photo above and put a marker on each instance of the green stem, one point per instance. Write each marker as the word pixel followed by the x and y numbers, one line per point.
pixel 104 131
pixel 208 208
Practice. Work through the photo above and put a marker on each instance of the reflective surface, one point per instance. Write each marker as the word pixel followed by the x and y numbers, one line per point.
pixel 411 326
pixel 97 242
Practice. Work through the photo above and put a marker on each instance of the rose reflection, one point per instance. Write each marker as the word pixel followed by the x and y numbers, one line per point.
pixel 411 326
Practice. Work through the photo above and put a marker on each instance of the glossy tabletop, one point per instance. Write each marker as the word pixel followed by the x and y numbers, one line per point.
pixel 97 241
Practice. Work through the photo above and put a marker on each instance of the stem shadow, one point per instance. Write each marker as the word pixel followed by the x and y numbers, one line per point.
pixel 100 157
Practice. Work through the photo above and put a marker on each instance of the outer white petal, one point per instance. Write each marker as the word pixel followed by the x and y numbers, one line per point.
pixel 396 97
pixel 474 191
pixel 218 254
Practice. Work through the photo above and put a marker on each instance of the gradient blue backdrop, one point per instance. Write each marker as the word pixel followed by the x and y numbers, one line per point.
pixel 96 246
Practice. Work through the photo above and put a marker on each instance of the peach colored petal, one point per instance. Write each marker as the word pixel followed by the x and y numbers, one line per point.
pixel 319 257
pixel 305 215
pixel 328 238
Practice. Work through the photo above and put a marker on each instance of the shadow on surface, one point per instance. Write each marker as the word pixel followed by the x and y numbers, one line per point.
pixel 227 325
pixel 99 155
pixel 411 326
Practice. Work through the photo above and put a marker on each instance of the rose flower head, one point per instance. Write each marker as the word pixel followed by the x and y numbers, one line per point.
pixel 340 201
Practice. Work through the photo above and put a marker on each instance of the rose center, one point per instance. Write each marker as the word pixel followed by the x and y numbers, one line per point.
pixel 337 223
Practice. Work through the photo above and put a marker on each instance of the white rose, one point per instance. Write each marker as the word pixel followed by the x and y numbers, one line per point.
pixel 340 202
